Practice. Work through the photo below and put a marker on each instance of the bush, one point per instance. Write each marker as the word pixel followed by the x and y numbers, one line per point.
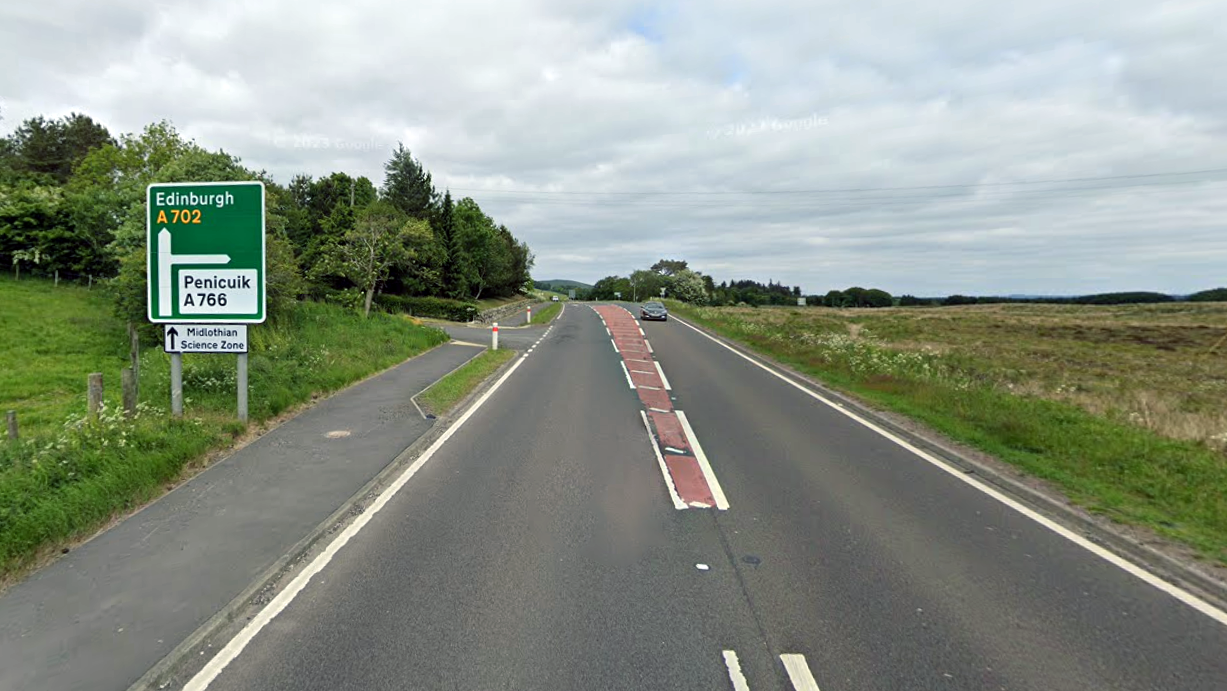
pixel 438 308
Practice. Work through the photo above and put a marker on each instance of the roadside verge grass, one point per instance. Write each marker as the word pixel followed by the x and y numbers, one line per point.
pixel 450 390
pixel 546 314
pixel 69 473
pixel 1131 474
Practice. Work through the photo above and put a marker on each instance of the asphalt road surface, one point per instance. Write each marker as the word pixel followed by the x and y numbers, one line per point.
pixel 542 547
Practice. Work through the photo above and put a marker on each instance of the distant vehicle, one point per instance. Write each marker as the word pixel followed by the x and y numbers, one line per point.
pixel 654 310
pixel 554 298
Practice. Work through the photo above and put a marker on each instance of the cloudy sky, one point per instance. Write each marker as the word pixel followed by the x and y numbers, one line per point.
pixel 1048 146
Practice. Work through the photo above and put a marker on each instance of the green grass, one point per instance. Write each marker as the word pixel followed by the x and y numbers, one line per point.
pixel 545 315
pixel 53 338
pixel 68 475
pixel 448 391
pixel 1105 461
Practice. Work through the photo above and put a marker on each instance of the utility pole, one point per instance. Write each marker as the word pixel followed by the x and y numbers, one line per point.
pixel 352 182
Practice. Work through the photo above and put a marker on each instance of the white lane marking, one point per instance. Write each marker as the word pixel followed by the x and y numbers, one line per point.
pixel 628 375
pixel 798 673
pixel 226 655
pixel 608 332
pixel 615 345
pixel 664 470
pixel 663 378
pixel 649 345
pixel 735 675
pixel 642 371
pixel 1111 557
pixel 641 333
pixel 649 388
pixel 713 484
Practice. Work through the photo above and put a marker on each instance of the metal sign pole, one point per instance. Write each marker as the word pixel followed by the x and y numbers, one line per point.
pixel 242 383
pixel 176 384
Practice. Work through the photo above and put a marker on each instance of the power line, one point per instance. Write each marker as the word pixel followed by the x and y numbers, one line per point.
pixel 1209 171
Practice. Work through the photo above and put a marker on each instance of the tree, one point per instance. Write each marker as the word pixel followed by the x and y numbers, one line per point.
pixel 407 185
pixel 688 287
pixel 834 298
pixel 647 284
pixel 1212 295
pixel 878 298
pixel 910 301
pixel 382 238
pixel 669 267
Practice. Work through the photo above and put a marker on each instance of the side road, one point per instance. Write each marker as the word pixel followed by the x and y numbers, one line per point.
pixel 101 616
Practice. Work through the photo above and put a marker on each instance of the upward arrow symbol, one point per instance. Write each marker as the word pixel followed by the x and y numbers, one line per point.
pixel 172 332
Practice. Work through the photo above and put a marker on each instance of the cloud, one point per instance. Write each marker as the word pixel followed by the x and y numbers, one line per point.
pixel 554 114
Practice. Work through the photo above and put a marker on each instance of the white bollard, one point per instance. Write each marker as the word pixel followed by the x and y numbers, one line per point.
pixel 530 314
pixel 494 337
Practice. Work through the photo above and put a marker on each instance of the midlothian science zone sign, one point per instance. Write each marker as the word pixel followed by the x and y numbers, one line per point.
pixel 206 252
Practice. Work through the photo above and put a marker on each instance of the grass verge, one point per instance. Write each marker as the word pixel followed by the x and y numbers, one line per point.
pixel 448 391
pixel 1105 463
pixel 70 474
pixel 546 314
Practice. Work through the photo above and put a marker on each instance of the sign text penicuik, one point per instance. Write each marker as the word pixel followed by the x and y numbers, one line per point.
pixel 205 251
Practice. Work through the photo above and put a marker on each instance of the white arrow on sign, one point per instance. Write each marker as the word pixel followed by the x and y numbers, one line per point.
pixel 166 259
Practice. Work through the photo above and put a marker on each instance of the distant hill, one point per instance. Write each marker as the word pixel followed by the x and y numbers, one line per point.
pixel 560 285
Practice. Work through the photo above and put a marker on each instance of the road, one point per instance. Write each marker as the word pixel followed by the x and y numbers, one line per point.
pixel 542 547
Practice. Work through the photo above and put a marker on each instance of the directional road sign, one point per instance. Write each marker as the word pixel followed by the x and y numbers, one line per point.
pixel 205 252
pixel 205 338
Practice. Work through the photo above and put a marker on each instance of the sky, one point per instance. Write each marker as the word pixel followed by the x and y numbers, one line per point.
pixel 956 146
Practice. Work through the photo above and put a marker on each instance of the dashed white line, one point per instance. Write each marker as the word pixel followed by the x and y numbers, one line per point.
pixel 283 599
pixel 664 470
pixel 798 673
pixel 713 484
pixel 735 675
pixel 628 375
pixel 663 378
pixel 615 345
pixel 649 345
pixel 1111 557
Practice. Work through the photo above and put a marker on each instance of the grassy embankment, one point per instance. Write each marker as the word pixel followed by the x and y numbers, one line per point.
pixel 69 475
pixel 546 314
pixel 1120 407
pixel 444 394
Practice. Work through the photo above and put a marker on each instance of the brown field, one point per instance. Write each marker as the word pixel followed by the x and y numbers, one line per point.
pixel 1162 367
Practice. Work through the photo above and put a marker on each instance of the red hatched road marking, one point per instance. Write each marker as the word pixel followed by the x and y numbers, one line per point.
pixel 681 462
pixel 669 430
pixel 688 478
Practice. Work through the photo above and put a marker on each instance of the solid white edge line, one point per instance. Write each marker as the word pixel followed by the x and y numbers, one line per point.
pixel 1111 557
pixel 713 484
pixel 798 673
pixel 663 378
pixel 664 469
pixel 734 667
pixel 629 382
pixel 226 655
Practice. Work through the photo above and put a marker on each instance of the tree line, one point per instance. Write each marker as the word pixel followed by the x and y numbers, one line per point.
pixel 72 203
pixel 682 283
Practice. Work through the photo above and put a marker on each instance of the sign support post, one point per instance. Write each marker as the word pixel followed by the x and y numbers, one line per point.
pixel 176 384
pixel 242 386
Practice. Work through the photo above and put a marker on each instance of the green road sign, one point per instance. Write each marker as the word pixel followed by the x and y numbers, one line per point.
pixel 205 251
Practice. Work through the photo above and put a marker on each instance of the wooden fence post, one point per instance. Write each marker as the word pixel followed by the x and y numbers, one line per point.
pixel 129 385
pixel 95 393
pixel 12 420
